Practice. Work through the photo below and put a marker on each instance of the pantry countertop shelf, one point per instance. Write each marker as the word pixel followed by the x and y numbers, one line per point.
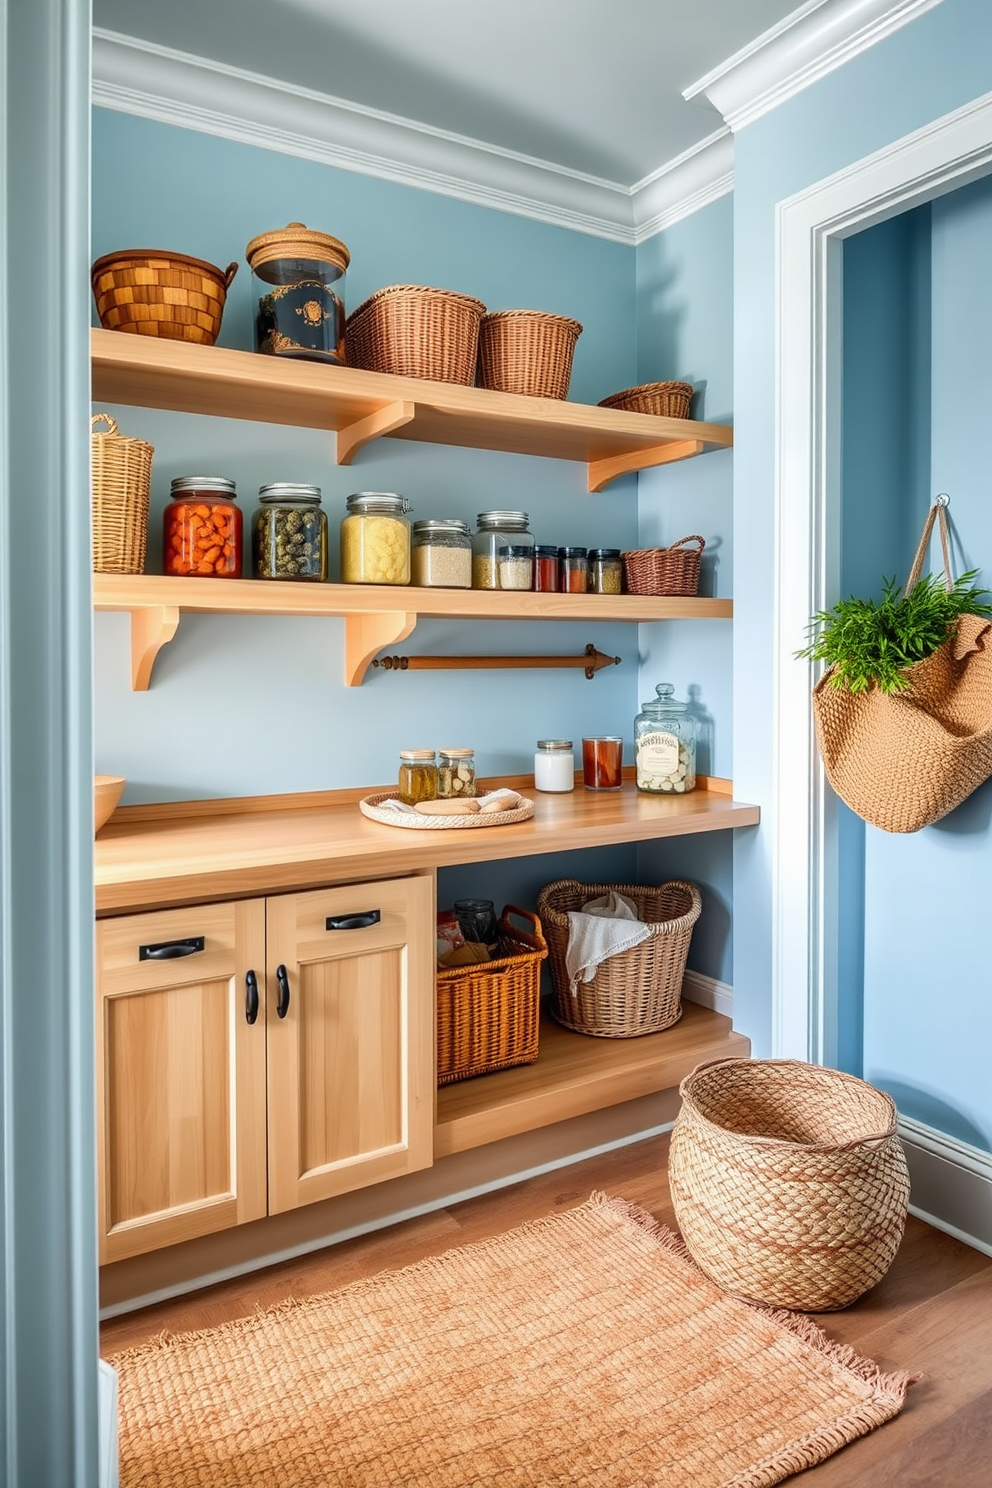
pixel 361 406
pixel 375 616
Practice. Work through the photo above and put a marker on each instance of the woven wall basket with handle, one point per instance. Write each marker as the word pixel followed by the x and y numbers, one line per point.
pixel 789 1183
pixel 903 760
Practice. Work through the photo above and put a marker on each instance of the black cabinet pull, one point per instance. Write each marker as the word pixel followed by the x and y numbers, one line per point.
pixel 251 997
pixel 353 921
pixel 282 1001
pixel 167 950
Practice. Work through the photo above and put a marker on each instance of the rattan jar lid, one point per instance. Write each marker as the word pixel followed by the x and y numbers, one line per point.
pixel 295 240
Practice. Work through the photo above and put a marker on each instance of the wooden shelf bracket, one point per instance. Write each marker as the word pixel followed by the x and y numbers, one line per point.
pixel 384 421
pixel 601 472
pixel 152 627
pixel 366 635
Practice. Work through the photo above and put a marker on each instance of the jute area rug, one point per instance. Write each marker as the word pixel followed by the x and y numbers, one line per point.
pixel 581 1349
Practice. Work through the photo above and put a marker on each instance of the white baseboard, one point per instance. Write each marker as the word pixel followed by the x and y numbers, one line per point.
pixel 107 1401
pixel 951 1183
pixel 708 992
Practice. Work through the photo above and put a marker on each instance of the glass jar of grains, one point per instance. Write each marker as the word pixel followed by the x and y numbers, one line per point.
pixel 441 555
pixel 665 744
pixel 516 567
pixel 289 533
pixel 418 776
pixel 497 530
pixel 375 539
pixel 455 773
pixel 605 571
pixel 202 528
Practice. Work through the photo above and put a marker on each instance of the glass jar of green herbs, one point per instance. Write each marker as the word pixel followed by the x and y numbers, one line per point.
pixel 289 533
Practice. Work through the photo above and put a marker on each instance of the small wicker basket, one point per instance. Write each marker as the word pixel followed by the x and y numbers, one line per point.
pixel 639 990
pixel 488 1014
pixel 410 330
pixel 789 1183
pixel 664 571
pixel 121 473
pixel 664 399
pixel 527 351
pixel 161 294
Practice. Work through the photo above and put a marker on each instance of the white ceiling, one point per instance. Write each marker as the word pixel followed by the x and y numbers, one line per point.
pixel 594 86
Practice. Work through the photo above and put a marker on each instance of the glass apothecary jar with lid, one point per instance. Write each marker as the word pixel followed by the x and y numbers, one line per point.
pixel 375 539
pixel 441 554
pixel 298 281
pixel 665 735
pixel 289 533
pixel 496 531
pixel 202 529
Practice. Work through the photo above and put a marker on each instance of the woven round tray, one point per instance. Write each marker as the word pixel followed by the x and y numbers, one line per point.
pixel 370 807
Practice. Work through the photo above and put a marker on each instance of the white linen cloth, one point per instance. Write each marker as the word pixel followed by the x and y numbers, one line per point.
pixel 600 929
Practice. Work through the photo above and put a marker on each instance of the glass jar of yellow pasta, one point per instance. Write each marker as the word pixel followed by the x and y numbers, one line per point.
pixel 375 539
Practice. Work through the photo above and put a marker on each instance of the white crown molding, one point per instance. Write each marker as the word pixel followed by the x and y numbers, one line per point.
pixel 154 82
pixel 807 45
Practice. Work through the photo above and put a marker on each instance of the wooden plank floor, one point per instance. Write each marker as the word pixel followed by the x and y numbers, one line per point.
pixel 932 1314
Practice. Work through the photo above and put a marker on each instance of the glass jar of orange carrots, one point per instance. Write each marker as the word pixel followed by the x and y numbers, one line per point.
pixel 203 528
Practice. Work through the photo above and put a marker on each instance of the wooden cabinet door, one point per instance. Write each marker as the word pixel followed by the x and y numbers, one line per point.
pixel 180 1075
pixel 351 1061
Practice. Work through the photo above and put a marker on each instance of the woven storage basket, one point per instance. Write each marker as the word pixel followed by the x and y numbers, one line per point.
pixel 161 294
pixel 414 331
pixel 121 474
pixel 789 1183
pixel 665 399
pixel 639 990
pixel 527 351
pixel 671 571
pixel 488 1014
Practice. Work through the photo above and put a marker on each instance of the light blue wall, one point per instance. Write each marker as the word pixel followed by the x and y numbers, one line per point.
pixel 685 320
pixel 934 65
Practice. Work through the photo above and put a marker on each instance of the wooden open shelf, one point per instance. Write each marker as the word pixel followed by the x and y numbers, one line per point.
pixel 375 616
pixel 575 1074
pixel 362 406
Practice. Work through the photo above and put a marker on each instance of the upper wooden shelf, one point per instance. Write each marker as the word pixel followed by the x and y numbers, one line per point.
pixel 375 615
pixel 362 406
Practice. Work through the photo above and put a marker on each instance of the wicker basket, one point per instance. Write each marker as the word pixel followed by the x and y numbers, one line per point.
pixel 670 571
pixel 788 1180
pixel 121 468
pixel 639 990
pixel 488 1014
pixel 664 399
pixel 413 331
pixel 161 294
pixel 527 351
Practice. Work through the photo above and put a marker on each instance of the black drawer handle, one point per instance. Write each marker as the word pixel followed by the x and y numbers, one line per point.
pixel 251 997
pixel 168 950
pixel 353 921
pixel 282 1001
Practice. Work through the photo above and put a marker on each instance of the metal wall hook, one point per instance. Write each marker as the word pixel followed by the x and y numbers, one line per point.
pixel 942 499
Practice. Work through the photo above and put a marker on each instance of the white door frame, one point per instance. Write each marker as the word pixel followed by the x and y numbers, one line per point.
pixel 809 232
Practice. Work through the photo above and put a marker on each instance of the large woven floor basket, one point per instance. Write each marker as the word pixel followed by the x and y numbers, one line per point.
pixel 488 1015
pixel 639 990
pixel 789 1183
pixel 412 330
pixel 527 351
pixel 121 475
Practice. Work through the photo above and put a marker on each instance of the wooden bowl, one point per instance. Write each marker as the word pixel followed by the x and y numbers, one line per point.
pixel 107 791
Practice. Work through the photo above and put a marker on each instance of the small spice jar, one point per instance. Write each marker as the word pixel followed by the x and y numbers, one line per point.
pixel 605 571
pixel 516 567
pixel 298 312
pixel 545 569
pixel 441 555
pixel 289 533
pixel 417 776
pixel 202 528
pixel 375 539
pixel 665 734
pixel 573 570
pixel 496 530
pixel 455 773
pixel 554 765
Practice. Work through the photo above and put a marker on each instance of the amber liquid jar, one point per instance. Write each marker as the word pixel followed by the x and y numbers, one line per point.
pixel 573 570
pixel 202 528
pixel 546 570
pixel 602 763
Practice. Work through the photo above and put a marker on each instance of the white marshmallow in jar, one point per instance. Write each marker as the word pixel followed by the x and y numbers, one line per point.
pixel 665 734
pixel 554 765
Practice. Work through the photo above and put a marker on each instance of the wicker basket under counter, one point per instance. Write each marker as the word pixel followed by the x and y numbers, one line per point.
pixel 488 1014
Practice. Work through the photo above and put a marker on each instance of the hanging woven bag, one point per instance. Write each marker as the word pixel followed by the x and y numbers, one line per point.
pixel 903 760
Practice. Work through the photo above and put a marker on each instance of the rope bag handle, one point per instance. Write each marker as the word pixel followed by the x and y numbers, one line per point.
pixel 939 510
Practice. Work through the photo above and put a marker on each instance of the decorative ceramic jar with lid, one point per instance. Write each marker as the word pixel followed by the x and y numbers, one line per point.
pixel 665 735
pixel 298 281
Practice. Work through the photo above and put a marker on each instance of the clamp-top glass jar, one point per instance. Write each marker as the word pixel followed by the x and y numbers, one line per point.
pixel 498 531
pixel 375 539
pixel 665 734
pixel 298 313
pixel 202 528
pixel 289 533
pixel 441 554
